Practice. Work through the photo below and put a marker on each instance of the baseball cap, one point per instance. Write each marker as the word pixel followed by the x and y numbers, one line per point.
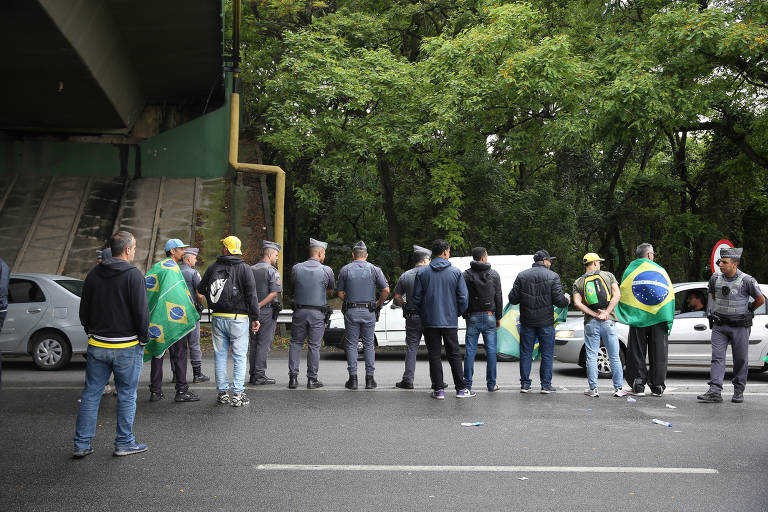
pixel 232 243
pixel 543 255
pixel 173 243
pixel 590 257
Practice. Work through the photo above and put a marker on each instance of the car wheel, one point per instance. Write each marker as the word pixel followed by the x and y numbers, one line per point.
pixel 604 362
pixel 360 353
pixel 50 351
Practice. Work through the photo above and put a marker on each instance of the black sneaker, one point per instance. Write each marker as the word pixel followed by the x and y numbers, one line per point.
pixel 156 397
pixel 79 453
pixel 351 382
pixel 186 396
pixel 314 384
pixel 738 397
pixel 547 390
pixel 262 381
pixel 710 397
pixel 403 384
pixel 657 391
pixel 525 389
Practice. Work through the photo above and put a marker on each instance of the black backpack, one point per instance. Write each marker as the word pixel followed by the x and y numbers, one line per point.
pixel 481 291
pixel 222 293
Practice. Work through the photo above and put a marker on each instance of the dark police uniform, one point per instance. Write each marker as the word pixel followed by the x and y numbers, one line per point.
pixel 729 312
pixel 359 280
pixel 311 281
pixel 413 328
pixel 267 281
pixel 192 278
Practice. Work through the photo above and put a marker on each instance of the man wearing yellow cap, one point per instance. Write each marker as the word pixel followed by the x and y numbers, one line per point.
pixel 230 290
pixel 596 294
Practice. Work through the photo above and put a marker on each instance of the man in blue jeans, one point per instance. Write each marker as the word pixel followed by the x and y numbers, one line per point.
pixel 483 315
pixel 230 290
pixel 538 290
pixel 114 314
pixel 596 294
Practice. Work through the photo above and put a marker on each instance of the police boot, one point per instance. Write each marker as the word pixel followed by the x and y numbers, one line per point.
pixel 369 382
pixel 293 382
pixel 198 375
pixel 313 383
pixel 352 382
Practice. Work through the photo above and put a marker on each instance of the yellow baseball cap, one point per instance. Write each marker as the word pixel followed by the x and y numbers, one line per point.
pixel 232 243
pixel 590 257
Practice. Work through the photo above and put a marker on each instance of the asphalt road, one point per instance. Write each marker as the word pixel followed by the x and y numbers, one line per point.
pixel 337 450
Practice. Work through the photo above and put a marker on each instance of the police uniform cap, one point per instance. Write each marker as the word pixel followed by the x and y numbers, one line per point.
pixel 192 250
pixel 417 249
pixel 731 252
pixel 266 244
pixel 317 243
pixel 360 246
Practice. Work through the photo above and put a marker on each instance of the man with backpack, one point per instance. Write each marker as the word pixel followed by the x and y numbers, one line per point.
pixel 230 291
pixel 483 315
pixel 596 294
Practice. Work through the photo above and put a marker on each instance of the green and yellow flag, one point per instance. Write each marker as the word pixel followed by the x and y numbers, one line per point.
pixel 171 311
pixel 647 296
pixel 508 333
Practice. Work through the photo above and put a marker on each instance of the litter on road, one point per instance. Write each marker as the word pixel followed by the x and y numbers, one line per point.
pixel 630 399
pixel 669 406
pixel 522 478
pixel 661 422
pixel 473 424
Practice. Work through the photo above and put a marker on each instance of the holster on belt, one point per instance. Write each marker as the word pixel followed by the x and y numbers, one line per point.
pixel 327 311
pixel 276 308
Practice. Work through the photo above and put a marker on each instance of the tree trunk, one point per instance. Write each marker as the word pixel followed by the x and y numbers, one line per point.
pixel 385 175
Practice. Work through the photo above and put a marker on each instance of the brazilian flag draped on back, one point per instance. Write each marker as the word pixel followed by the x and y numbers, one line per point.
pixel 171 311
pixel 647 296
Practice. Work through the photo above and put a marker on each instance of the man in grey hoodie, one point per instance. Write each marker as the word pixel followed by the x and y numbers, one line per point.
pixel 441 296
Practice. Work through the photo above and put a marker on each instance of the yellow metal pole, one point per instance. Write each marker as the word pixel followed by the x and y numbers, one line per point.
pixel 234 142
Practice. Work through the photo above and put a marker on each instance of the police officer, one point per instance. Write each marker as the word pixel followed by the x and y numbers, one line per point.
pixel 357 288
pixel 731 319
pixel 192 277
pixel 268 285
pixel 413 328
pixel 311 281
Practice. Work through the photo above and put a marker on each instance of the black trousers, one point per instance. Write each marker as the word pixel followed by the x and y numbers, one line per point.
pixel 449 337
pixel 653 341
pixel 178 353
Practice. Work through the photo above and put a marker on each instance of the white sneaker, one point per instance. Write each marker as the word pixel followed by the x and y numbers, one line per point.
pixel 592 392
pixel 618 392
pixel 223 398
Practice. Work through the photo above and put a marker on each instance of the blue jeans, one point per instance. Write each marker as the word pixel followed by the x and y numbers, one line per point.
pixel 101 363
pixel 594 330
pixel 230 332
pixel 546 336
pixel 484 323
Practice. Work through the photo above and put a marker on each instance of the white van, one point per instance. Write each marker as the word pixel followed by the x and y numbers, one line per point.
pixel 390 328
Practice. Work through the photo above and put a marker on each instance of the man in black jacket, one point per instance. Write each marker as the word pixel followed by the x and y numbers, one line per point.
pixel 230 290
pixel 114 314
pixel 537 290
pixel 483 315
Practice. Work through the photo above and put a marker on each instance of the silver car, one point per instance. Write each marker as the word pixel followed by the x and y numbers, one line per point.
pixel 689 341
pixel 43 319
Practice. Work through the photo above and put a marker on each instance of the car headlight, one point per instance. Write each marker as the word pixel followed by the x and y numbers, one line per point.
pixel 564 333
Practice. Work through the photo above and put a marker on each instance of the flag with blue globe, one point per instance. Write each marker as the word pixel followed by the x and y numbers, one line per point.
pixel 172 314
pixel 647 296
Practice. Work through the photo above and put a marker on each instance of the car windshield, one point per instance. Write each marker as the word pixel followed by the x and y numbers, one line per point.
pixel 71 285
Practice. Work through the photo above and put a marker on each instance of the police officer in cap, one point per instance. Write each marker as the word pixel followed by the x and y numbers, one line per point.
pixel 311 281
pixel 731 319
pixel 268 285
pixel 192 278
pixel 413 328
pixel 357 288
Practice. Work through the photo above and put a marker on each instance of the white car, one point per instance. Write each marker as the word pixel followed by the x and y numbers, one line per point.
pixel 390 328
pixel 689 340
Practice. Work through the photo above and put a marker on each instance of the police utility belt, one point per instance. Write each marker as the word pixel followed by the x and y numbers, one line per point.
pixel 326 310
pixel 410 313
pixel 731 321
pixel 276 308
pixel 370 306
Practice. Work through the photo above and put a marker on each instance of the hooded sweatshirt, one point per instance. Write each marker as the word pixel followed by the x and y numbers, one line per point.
pixel 440 294
pixel 483 282
pixel 113 308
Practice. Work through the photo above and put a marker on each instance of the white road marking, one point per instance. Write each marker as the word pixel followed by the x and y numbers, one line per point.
pixel 483 469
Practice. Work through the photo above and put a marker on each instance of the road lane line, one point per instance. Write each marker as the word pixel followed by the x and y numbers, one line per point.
pixel 483 469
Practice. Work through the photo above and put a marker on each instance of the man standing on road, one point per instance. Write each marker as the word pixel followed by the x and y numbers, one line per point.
pixel 311 282
pixel 5 277
pixel 192 278
pixel 596 294
pixel 413 328
pixel 647 332
pixel 440 294
pixel 357 288
pixel 483 315
pixel 114 314
pixel 174 250
pixel 268 285
pixel 230 291
pixel 538 290
pixel 731 317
